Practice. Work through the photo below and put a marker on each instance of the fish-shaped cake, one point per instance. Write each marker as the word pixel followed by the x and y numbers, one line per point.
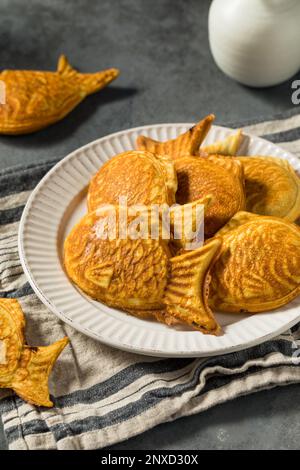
pixel 24 369
pixel 220 177
pixel 185 144
pixel 227 147
pixel 272 187
pixel 259 264
pixel 139 176
pixel 140 275
pixel 36 99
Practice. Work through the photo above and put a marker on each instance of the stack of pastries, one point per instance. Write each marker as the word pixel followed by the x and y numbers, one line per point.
pixel 250 259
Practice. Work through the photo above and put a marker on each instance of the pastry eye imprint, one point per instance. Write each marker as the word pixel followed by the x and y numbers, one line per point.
pixel 140 176
pixel 272 187
pixel 220 177
pixel 23 368
pixel 36 99
pixel 259 265
pixel 140 275
pixel 185 144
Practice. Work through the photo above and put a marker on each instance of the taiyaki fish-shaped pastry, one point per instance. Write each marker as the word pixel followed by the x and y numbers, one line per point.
pixel 23 368
pixel 272 187
pixel 36 99
pixel 229 146
pixel 221 177
pixel 185 144
pixel 139 176
pixel 139 275
pixel 259 266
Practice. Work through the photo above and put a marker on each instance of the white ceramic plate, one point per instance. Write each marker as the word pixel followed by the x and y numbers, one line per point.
pixel 59 201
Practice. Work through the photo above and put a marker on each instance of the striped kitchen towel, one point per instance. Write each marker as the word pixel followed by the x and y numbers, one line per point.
pixel 103 395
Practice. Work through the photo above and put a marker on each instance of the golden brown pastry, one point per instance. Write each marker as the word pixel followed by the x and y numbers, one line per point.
pixel 185 144
pixel 139 275
pixel 141 177
pixel 272 187
pixel 220 177
pixel 229 146
pixel 23 368
pixel 259 265
pixel 36 99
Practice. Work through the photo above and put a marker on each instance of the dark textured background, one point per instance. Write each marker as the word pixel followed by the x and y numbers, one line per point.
pixel 167 75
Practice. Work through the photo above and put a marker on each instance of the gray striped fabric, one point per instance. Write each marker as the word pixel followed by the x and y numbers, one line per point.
pixel 103 395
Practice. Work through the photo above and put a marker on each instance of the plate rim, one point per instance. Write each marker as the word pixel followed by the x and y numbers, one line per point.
pixel 115 343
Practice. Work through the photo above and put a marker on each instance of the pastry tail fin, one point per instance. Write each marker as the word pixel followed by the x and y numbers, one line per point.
pixel 194 137
pixel 185 144
pixel 146 143
pixel 90 82
pixel 30 381
pixel 93 82
pixel 186 295
pixel 228 147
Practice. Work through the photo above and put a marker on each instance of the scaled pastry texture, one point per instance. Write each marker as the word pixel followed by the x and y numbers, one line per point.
pixel 250 261
pixel 36 99
pixel 139 176
pixel 272 187
pixel 140 274
pixel 259 265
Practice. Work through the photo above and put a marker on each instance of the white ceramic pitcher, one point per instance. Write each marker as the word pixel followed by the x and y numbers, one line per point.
pixel 256 42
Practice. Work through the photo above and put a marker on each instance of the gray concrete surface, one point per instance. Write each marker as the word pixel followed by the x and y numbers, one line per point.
pixel 267 420
pixel 167 75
